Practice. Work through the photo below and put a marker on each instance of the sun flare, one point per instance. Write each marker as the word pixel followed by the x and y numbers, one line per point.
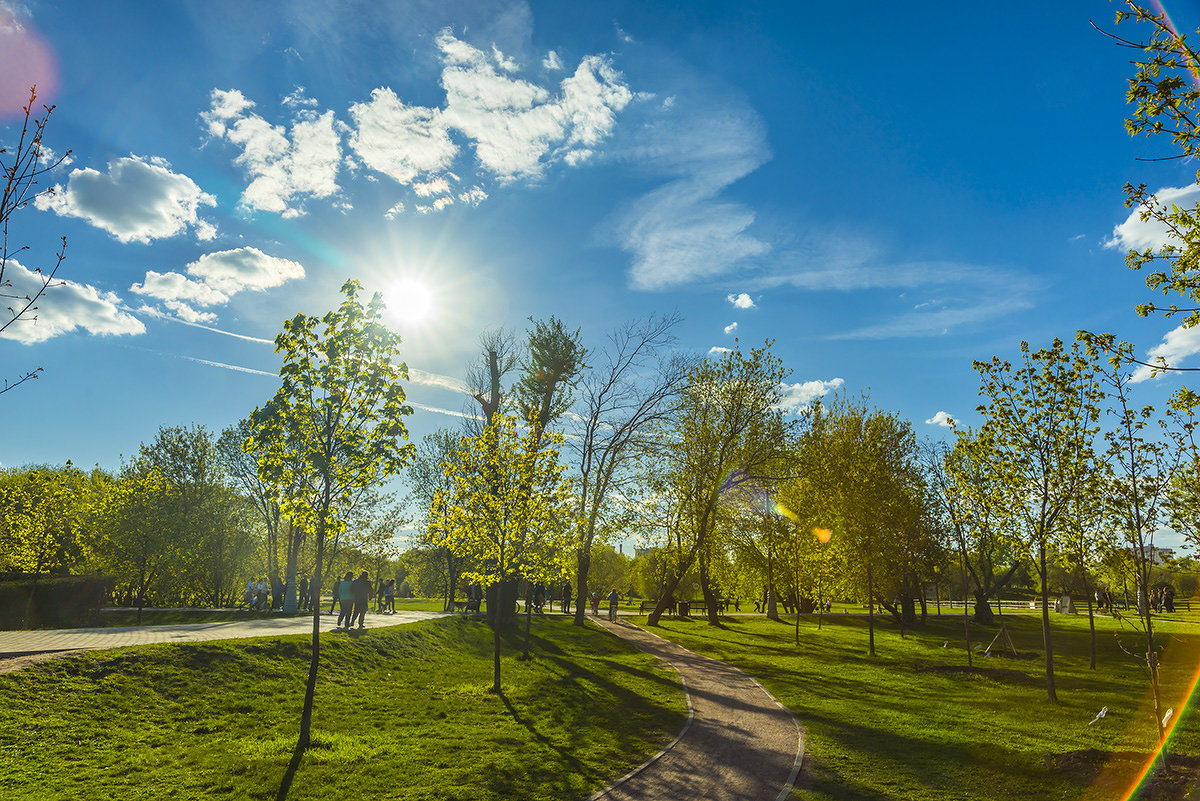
pixel 409 301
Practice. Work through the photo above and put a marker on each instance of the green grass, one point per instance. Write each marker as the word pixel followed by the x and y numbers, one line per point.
pixel 889 727
pixel 401 712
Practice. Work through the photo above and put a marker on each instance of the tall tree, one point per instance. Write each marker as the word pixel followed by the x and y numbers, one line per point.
pixel 1040 419
pixel 727 430
pixel 427 475
pixel 335 426
pixel 632 387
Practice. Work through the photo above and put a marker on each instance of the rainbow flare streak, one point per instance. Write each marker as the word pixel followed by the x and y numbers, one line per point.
pixel 1148 768
pixel 1192 67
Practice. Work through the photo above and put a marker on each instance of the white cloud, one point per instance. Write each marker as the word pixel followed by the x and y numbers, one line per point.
pixel 968 294
pixel 284 167
pixel 797 397
pixel 175 286
pixel 684 231
pixel 717 349
pixel 402 142
pixel 215 278
pixel 552 61
pixel 1178 344
pixel 137 200
pixel 741 301
pixel 940 419
pixel 65 307
pixel 231 271
pixel 473 196
pixel 516 127
pixel 729 329
pixel 442 202
pixel 437 186
pixel 436 380
pixel 298 99
pixel 395 211
pixel 1138 234
pixel 188 314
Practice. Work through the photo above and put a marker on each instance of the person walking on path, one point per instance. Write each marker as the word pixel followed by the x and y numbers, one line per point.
pixel 302 594
pixel 343 595
pixel 613 601
pixel 566 598
pixel 361 589
pixel 389 596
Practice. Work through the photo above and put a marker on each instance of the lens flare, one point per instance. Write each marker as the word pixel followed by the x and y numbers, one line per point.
pixel 782 510
pixel 1192 67
pixel 25 60
pixel 823 535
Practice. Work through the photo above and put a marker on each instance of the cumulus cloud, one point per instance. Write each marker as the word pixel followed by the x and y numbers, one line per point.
pixel 552 61
pixel 717 350
pixel 741 301
pixel 65 307
pixel 1138 234
pixel 473 196
pixel 400 141
pixel 1178 344
pixel 214 279
pixel 940 419
pixel 395 211
pixel 797 397
pixel 138 199
pixel 516 127
pixel 684 230
pixel 729 329
pixel 284 167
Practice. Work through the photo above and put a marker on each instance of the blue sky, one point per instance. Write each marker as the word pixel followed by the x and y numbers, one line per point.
pixel 897 190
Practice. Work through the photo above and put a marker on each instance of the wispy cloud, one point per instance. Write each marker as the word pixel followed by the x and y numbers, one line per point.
pixel 684 230
pixel 436 380
pixel 150 311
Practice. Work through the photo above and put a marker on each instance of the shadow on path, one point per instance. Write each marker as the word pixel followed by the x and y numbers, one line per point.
pixel 741 744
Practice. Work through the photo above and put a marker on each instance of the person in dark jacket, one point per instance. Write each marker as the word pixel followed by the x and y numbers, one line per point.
pixel 362 597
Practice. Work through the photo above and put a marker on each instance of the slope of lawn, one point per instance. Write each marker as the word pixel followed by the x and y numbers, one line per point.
pixel 906 724
pixel 401 712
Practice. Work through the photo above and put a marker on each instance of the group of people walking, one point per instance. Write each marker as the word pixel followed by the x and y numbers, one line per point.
pixel 353 596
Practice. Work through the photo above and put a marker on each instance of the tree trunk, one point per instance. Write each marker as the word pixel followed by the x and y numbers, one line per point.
pixel 669 589
pixel 1092 627
pixel 528 616
pixel 310 688
pixel 583 563
pixel 293 557
pixel 710 597
pixel 1046 640
pixel 496 659
pixel 983 609
pixel 772 608
pixel 870 609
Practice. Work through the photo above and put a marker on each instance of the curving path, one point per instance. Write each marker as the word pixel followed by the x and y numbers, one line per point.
pixel 739 744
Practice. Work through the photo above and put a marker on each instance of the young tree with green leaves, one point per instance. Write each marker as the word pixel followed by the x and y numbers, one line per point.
pixel 506 510
pixel 335 426
pixel 427 476
pixel 1040 420
pixel 728 429
pixel 1141 458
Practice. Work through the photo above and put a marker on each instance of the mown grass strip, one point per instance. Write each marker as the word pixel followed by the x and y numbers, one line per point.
pixel 401 712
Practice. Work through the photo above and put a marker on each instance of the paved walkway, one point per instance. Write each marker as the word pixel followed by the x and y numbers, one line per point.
pixel 740 744
pixel 25 643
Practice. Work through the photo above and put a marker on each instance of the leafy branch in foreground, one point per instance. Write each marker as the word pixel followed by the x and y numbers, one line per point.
pixel 23 164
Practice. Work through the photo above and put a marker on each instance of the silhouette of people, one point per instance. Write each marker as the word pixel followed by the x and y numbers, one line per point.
pixel 343 594
pixel 361 589
pixel 302 594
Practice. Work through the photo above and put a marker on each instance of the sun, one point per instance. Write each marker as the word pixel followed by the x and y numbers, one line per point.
pixel 409 301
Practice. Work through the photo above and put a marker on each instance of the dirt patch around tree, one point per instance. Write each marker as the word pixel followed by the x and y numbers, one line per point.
pixel 1007 675
pixel 1116 771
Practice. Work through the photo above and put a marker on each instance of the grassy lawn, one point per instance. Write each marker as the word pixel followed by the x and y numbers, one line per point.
pixel 401 712
pixel 901 726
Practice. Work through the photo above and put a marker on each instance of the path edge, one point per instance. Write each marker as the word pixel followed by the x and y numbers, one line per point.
pixel 687 693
